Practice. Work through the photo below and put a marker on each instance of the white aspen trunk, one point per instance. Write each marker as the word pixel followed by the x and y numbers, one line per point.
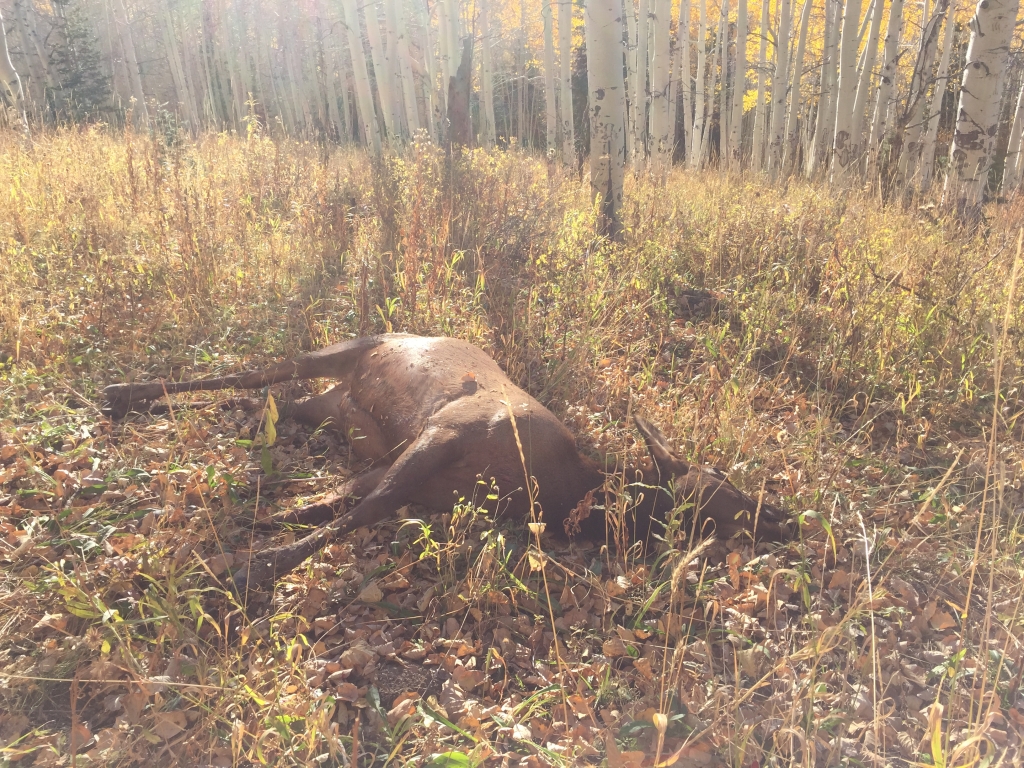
pixel 381 75
pixel 446 55
pixel 124 31
pixel 522 131
pixel 412 112
pixel 978 113
pixel 697 133
pixel 864 87
pixel 361 78
pixel 550 104
pixel 724 102
pixel 760 110
pixel 428 81
pixel 680 89
pixel 184 95
pixel 565 65
pixel 931 129
pixel 603 28
pixel 1012 167
pixel 9 79
pixel 488 131
pixel 792 122
pixel 825 121
pixel 881 128
pixel 846 91
pixel 739 87
pixel 235 96
pixel 640 93
pixel 393 68
pixel 330 74
pixel 631 92
pixel 661 58
pixel 914 116
pixel 780 83
pixel 705 141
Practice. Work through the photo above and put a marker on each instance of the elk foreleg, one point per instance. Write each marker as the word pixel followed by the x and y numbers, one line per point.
pixel 436 448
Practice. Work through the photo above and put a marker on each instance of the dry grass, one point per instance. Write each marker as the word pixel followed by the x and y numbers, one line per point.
pixel 861 364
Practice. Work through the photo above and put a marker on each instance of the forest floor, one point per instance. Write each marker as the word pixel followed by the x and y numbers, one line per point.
pixel 859 362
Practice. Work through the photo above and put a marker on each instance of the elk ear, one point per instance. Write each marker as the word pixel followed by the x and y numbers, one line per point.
pixel 666 462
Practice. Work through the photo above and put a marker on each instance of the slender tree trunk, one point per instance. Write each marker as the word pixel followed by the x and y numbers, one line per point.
pixel 978 113
pixel 697 134
pixel 361 78
pixel 680 90
pixel 705 142
pixel 760 110
pixel 776 145
pixel 631 83
pixel 864 86
pixel 565 65
pixel 724 102
pixel 661 58
pixel 550 103
pixel 603 28
pixel 931 129
pixel 1012 166
pixel 124 31
pixel 640 92
pixel 881 127
pixel 913 119
pixel 842 151
pixel 825 123
pixel 792 122
pixel 381 73
pixel 9 79
pixel 740 86
pixel 487 128
pixel 412 112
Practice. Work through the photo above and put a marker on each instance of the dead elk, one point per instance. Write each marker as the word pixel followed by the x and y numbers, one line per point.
pixel 434 414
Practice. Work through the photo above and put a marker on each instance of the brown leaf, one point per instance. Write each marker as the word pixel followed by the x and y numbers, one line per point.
pixel 167 725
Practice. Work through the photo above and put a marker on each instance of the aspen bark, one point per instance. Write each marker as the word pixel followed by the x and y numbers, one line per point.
pixel 978 112
pixel 705 142
pixel 724 102
pixel 381 73
pixel 842 151
pixel 1012 166
pixel 881 127
pixel 550 108
pixel 364 95
pixel 565 65
pixel 488 133
pixel 681 78
pixel 825 121
pixel 760 110
pixel 124 31
pixel 913 119
pixel 412 112
pixel 631 89
pixel 639 89
pixel 661 141
pixel 603 29
pixel 697 133
pixel 864 88
pixel 931 127
pixel 780 84
pixel 739 87
pixel 9 79
pixel 792 122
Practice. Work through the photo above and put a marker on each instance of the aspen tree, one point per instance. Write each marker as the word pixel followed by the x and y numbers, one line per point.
pixel 825 122
pixel 361 78
pixel 488 133
pixel 607 106
pixel 881 127
pixel 842 151
pixel 640 93
pixel 860 103
pixel 697 131
pixel 404 64
pixel 381 75
pixel 124 32
pixel 931 128
pixel 681 79
pixel 913 118
pixel 739 87
pixel 1012 167
pixel 724 102
pixel 9 79
pixel 780 82
pixel 631 83
pixel 978 112
pixel 792 122
pixel 705 139
pixel 661 141
pixel 760 110
pixel 565 66
pixel 550 108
